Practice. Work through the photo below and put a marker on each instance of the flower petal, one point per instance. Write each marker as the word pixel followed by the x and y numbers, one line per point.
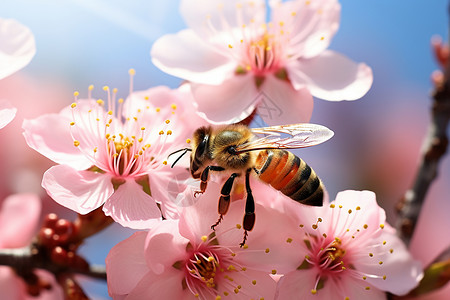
pixel 402 272
pixel 311 26
pixel 280 103
pixel 209 17
pixel 7 113
pixel 162 286
pixel 331 76
pixel 131 207
pixel 187 56
pixel 164 246
pixel 80 191
pixel 19 217
pixel 232 101
pixel 126 265
pixel 50 136
pixel 10 284
pixel 17 46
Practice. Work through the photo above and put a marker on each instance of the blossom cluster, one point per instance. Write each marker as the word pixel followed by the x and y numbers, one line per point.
pixel 125 156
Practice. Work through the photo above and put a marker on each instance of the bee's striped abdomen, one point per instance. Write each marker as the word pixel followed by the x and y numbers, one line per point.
pixel 291 175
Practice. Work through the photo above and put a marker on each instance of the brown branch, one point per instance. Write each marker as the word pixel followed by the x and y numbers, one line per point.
pixel 434 148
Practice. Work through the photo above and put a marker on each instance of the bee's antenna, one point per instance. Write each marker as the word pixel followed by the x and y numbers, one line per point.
pixel 185 151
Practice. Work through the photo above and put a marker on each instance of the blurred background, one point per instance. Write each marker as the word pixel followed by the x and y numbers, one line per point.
pixel 377 138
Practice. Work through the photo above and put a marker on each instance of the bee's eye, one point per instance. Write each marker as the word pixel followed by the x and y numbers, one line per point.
pixel 231 150
pixel 201 147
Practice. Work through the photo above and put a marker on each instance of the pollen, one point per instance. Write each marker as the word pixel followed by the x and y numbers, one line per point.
pixel 245 246
pixel 267 250
pixel 169 132
pixel 218 297
pixel 332 205
pixel 131 72
pixel 384 277
pixel 238 226
pixel 313 291
pixel 380 262
pixel 106 88
pixel 364 277
pixel 382 226
pixel 73 105
pixel 371 254
pixel 158 109
pixel 322 38
pixel 274 272
pixel 165 162
pixel 100 102
pixel 384 242
pixel 167 121
pixel 236 290
pixel 76 143
pixel 358 208
pixel 76 94
pixel 72 123
pixel 174 106
pixel 391 250
pixel 349 211
pixel 204 238
pixel 161 132
pixel 91 87
pixel 254 282
pixel 230 46
pixel 188 141
pixel 365 226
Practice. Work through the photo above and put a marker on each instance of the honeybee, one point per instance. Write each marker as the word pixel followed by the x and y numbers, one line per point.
pixel 235 148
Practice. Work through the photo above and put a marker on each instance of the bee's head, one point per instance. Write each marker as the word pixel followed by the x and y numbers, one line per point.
pixel 200 148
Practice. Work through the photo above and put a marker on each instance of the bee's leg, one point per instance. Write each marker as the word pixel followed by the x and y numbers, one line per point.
pixel 205 177
pixel 249 217
pixel 224 201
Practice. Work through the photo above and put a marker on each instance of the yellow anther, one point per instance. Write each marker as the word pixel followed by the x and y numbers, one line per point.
pixel 131 72
pixel 76 143
pixel 289 240
pixel 225 293
pixel 236 290
pixel 293 13
pixel 364 277
pixel 384 242
pixel 142 128
pixel 169 132
pixel 188 141
pixel 110 112
pixel 115 90
pixel 349 211
pixel 324 235
pixel 210 259
pixel 238 226
pixel 100 102
pixel 313 291
pixel 314 226
pixel 391 250
pixel 380 262
pixel 254 282
pixel 319 219
pixel 120 100
pixel 231 268
pixel 165 162
pixel 106 88
pixel 301 225
pixel 365 226
pixel 367 288
pixel 140 140
pixel 95 150
pixel 167 121
pixel 230 46
pixel 204 238
pixel 91 87
pixel 382 226
pixel 358 208
pixel 174 106
pixel 73 105
pixel 161 132
pixel 233 254
pixel 274 272
pixel 340 206
pixel 332 205
pixel 76 94
pixel 267 250
pixel 371 254
pixel 72 123
pixel 384 277
pixel 239 287
pixel 322 38
pixel 245 246
pixel 158 109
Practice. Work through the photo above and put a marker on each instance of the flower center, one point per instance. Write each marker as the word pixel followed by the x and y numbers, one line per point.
pixel 203 266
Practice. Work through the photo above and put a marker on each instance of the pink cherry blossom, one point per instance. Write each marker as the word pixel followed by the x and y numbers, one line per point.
pixel 185 259
pixel 348 253
pixel 19 217
pixel 115 154
pixel 17 48
pixel 229 51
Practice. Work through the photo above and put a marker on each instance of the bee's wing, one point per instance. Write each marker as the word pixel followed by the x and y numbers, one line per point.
pixel 287 137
